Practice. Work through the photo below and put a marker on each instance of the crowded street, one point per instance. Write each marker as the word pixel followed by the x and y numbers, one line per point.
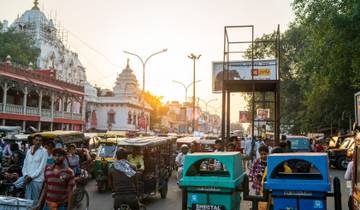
pixel 180 105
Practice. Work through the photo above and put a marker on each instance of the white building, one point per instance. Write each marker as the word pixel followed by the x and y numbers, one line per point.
pixel 49 39
pixel 124 109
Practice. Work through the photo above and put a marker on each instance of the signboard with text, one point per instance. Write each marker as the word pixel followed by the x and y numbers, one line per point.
pixel 241 70
pixel 263 114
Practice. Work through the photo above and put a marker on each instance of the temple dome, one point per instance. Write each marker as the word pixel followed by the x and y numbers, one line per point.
pixel 126 83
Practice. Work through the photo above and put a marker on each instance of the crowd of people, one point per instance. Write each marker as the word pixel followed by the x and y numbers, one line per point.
pixel 45 171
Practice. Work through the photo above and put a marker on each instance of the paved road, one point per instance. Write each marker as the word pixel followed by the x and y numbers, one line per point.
pixel 104 201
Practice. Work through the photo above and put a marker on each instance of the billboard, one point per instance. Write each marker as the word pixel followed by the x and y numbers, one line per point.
pixel 244 117
pixel 241 70
pixel 263 114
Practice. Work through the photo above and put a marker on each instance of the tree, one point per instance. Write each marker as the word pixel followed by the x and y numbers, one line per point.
pixel 158 109
pixel 20 46
pixel 320 69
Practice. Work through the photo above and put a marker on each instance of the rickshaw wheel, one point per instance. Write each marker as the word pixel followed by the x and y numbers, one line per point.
pixel 164 190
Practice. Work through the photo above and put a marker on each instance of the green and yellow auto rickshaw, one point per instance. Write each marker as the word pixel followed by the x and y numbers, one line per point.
pixel 105 155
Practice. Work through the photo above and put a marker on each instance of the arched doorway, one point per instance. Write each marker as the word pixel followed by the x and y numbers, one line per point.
pixel 33 99
pixel 15 96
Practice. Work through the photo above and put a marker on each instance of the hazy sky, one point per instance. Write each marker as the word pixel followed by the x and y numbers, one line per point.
pixel 147 26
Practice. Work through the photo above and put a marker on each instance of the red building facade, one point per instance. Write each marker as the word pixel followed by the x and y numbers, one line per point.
pixel 32 98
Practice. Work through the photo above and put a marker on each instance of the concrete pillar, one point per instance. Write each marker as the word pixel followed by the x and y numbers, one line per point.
pixel 62 106
pixel 39 126
pixel 25 100
pixel 52 105
pixel 24 126
pixel 3 122
pixel 51 126
pixel 4 98
pixel 40 101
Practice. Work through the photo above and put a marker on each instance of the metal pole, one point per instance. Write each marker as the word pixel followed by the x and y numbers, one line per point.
pixel 194 58
pixel 193 114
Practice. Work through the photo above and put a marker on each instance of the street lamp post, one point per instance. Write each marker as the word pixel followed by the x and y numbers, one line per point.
pixel 206 108
pixel 186 86
pixel 194 58
pixel 144 64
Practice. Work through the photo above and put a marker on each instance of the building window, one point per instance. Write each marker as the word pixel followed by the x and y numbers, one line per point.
pixel 129 118
pixel 111 116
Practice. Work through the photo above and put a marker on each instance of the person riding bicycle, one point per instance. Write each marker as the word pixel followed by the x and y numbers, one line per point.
pixel 122 182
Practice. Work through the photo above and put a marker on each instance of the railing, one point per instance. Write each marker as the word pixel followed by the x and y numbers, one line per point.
pixel 58 114
pixel 45 113
pixel 32 110
pixel 77 116
pixel 14 109
pixel 67 115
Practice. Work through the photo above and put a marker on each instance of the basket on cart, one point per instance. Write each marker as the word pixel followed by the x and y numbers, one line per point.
pixel 13 203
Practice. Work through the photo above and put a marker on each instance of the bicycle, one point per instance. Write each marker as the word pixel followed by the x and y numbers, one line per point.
pixel 81 198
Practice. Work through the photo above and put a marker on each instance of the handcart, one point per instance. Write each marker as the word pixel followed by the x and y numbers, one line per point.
pixel 13 203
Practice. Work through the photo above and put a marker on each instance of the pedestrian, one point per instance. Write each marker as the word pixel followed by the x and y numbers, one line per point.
pixel 33 170
pixel 348 176
pixel 258 169
pixel 73 159
pixel 219 146
pixel 50 146
pixel 259 142
pixel 247 152
pixel 58 185
pixel 122 181
pixel 230 147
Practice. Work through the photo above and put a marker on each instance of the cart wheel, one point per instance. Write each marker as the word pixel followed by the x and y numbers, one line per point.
pixel 164 190
pixel 342 163
pixel 81 199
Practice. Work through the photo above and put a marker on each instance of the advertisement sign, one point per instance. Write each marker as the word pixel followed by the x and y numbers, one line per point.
pixel 244 117
pixel 263 114
pixel 241 70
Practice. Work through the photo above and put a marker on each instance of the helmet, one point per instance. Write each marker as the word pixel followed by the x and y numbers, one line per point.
pixel 184 146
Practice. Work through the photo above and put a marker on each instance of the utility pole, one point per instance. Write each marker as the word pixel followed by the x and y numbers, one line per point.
pixel 194 58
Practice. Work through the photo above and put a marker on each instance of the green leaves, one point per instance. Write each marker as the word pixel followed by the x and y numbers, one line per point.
pixel 320 64
pixel 19 46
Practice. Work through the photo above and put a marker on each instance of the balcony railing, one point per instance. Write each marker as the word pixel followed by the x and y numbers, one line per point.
pixel 14 109
pixel 34 111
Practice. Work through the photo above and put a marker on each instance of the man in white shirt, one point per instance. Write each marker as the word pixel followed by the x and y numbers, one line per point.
pixel 33 170
pixel 179 160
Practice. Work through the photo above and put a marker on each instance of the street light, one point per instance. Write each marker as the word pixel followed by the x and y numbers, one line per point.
pixel 207 102
pixel 206 110
pixel 194 58
pixel 144 62
pixel 186 86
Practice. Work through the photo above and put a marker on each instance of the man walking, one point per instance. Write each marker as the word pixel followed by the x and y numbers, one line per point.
pixel 59 183
pixel 33 170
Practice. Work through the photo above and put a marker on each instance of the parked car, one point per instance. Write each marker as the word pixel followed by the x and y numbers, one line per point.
pixel 338 156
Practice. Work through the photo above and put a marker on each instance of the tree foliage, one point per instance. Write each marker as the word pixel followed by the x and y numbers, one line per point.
pixel 158 109
pixel 19 46
pixel 320 65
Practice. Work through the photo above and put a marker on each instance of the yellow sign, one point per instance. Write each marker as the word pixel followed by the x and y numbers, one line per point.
pixel 264 72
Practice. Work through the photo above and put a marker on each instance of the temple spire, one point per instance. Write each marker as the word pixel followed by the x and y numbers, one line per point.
pixel 36 3
pixel 128 65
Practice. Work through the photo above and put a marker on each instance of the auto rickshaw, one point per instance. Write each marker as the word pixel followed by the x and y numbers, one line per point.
pixel 65 138
pixel 191 141
pixel 158 162
pixel 105 155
